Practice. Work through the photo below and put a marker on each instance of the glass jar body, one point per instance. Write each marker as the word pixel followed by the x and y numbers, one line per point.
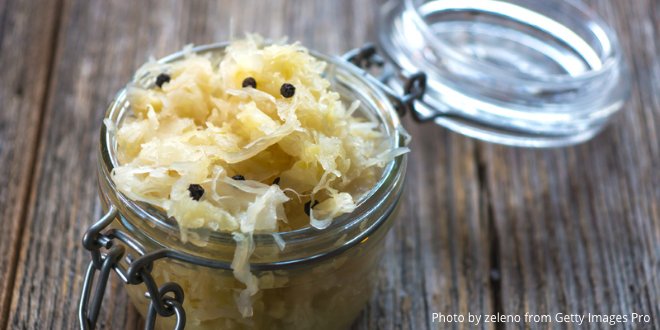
pixel 319 279
pixel 328 294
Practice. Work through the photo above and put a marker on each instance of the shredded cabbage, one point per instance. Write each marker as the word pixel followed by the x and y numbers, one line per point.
pixel 202 127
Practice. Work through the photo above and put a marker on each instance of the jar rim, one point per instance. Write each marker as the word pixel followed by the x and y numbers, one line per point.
pixel 393 171
pixel 609 60
pixel 511 72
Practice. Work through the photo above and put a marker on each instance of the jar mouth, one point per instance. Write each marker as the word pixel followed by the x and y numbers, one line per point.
pixel 524 73
pixel 567 33
pixel 345 79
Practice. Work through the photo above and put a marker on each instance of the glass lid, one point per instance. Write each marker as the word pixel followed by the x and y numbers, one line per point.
pixel 531 73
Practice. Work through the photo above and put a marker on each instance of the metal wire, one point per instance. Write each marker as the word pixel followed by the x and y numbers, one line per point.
pixel 104 263
pixel 414 85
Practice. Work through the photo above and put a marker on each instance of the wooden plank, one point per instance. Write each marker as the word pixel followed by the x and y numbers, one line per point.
pixel 26 49
pixel 578 228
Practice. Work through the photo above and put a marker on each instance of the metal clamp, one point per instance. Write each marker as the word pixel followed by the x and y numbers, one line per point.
pixel 161 302
pixel 414 85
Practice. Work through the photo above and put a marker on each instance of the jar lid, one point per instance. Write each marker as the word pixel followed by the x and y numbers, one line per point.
pixel 529 73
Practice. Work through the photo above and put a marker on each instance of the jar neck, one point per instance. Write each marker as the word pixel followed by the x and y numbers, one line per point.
pixel 301 248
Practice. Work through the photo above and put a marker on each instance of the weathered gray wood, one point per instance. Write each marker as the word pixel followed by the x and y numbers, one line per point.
pixel 26 50
pixel 578 228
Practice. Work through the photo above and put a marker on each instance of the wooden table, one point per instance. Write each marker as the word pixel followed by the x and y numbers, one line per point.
pixel 484 229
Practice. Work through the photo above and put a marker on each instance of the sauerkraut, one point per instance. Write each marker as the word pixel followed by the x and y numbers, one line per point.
pixel 277 157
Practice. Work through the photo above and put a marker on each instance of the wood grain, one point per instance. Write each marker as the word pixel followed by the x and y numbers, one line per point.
pixel 483 228
pixel 578 228
pixel 26 50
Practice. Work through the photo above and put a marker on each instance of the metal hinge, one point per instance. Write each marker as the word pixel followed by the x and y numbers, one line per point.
pixel 139 271
pixel 414 85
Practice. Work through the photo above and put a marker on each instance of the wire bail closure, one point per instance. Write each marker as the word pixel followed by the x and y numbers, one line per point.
pixel 139 271
pixel 414 85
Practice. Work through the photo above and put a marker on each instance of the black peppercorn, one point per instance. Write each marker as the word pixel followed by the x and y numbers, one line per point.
pixel 277 181
pixel 308 207
pixel 238 177
pixel 161 79
pixel 249 81
pixel 287 90
pixel 196 191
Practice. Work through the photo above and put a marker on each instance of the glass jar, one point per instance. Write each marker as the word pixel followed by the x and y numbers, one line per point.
pixel 529 73
pixel 320 280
